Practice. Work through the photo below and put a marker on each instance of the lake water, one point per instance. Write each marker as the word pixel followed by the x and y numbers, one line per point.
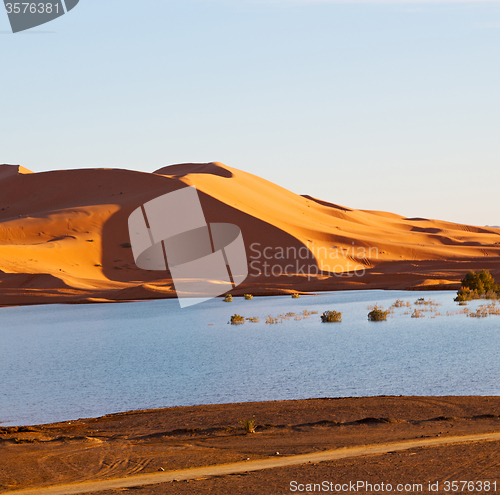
pixel 62 362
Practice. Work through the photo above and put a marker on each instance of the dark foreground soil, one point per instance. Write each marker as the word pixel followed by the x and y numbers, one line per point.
pixel 140 442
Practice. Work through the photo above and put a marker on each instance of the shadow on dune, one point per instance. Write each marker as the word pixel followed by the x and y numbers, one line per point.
pixel 264 242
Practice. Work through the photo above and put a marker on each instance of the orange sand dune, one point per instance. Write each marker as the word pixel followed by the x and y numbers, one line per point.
pixel 64 237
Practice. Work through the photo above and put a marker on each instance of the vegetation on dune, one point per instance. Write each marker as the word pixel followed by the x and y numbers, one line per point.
pixel 228 298
pixel 331 317
pixel 295 295
pixel 248 296
pixel 479 285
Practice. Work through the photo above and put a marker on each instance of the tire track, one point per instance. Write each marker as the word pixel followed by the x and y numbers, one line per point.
pixel 257 465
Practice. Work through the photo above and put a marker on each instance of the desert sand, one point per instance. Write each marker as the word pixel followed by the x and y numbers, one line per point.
pixel 410 440
pixel 64 237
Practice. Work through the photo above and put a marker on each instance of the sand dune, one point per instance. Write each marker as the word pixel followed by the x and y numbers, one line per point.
pixel 64 237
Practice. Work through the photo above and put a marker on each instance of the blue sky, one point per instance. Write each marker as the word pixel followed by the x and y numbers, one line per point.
pixel 389 106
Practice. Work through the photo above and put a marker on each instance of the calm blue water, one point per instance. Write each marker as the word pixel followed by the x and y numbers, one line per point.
pixel 63 362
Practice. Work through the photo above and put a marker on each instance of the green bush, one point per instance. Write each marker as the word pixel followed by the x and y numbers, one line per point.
pixel 248 297
pixel 228 298
pixel 377 314
pixel 465 294
pixel 331 317
pixel 295 295
pixel 481 282
pixel 478 285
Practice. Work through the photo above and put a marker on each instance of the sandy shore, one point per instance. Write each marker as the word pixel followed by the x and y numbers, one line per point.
pixel 160 441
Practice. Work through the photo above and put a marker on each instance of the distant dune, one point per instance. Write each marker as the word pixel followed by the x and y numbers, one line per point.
pixel 64 237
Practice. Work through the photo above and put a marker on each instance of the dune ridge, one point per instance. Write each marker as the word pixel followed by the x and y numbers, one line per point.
pixel 64 237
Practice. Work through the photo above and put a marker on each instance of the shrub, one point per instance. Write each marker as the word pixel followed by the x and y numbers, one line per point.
pixel 399 303
pixel 248 297
pixel 295 295
pixel 422 302
pixel 478 285
pixel 417 313
pixel 481 282
pixel 253 319
pixel 248 425
pixel 307 313
pixel 377 314
pixel 465 294
pixel 126 245
pixel 271 320
pixel 237 320
pixel 228 298
pixel 481 312
pixel 492 295
pixel 331 317
pixel 485 310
